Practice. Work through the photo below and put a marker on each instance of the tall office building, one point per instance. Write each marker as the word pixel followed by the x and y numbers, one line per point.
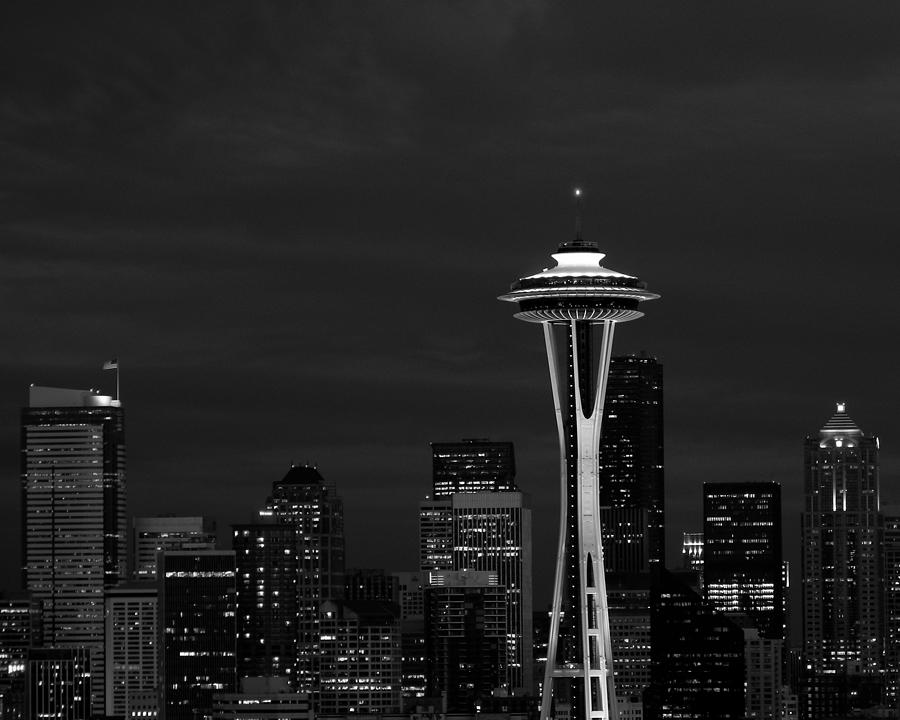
pixel 472 466
pixel 698 670
pixel 631 487
pixel 197 630
pixel 371 584
pixel 132 660
pixel 152 535
pixel 628 597
pixel 58 684
pixel 841 566
pixel 360 657
pixel 742 563
pixel 73 516
pixel 891 558
pixel 465 638
pixel 579 303
pixel 411 597
pixel 313 508
pixel 267 611
pixel 489 532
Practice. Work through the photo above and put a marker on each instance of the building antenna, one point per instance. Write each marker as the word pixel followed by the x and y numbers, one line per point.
pixel 579 212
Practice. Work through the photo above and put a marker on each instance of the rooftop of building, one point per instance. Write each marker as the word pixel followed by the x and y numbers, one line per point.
pixel 303 475
pixel 40 396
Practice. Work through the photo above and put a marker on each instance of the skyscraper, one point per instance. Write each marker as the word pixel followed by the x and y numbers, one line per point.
pixel 742 563
pixel 152 535
pixel 313 508
pixel 489 532
pixel 698 669
pixel 579 303
pixel 132 660
pixel 631 486
pixel 891 549
pixel 73 516
pixel 267 611
pixel 196 630
pixel 20 629
pixel 360 657
pixel 472 465
pixel 841 564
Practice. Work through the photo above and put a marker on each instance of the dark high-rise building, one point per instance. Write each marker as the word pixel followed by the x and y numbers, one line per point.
pixel 841 573
pixel 472 466
pixel 196 630
pixel 697 671
pixel 742 563
pixel 371 584
pixel 465 638
pixel 267 610
pixel 132 657
pixel 58 682
pixel 631 488
pixel 313 508
pixel 152 535
pixel 891 558
pixel 73 516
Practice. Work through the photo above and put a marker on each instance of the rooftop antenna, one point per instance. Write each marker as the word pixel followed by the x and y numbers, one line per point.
pixel 579 211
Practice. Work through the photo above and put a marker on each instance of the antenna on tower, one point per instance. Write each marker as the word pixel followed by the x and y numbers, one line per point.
pixel 579 211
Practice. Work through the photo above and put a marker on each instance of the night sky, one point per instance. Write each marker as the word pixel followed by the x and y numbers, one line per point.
pixel 290 223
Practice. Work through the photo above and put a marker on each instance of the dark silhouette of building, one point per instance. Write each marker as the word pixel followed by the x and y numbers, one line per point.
pixel 411 597
pixel 632 489
pixel 371 584
pixel 465 638
pixel 472 465
pixel 132 649
pixel 628 600
pixel 697 671
pixel 891 558
pixel 74 522
pixel 742 561
pixel 197 630
pixel 267 609
pixel 313 508
pixel 842 534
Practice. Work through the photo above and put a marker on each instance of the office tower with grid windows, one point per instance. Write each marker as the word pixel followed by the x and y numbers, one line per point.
pixel 20 629
pixel 841 572
pixel 742 562
pixel 472 465
pixel 197 630
pixel 465 638
pixel 267 610
pixel 579 303
pixel 488 532
pixel 306 502
pixel 73 516
pixel 132 660
pixel 58 684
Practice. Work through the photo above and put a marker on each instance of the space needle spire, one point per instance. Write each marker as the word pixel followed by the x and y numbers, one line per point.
pixel 579 303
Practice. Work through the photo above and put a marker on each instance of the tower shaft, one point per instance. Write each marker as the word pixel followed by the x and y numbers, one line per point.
pixel 579 668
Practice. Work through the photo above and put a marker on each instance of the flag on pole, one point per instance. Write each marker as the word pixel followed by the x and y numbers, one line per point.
pixel 111 364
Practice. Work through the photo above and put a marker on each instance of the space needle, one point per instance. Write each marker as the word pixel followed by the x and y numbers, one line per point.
pixel 579 302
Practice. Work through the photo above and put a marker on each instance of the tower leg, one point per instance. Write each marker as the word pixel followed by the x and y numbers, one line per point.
pixel 585 662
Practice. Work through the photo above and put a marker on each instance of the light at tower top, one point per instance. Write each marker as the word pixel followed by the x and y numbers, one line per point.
pixel 579 287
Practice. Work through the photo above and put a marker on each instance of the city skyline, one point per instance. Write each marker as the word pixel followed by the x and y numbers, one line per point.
pixel 197 236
